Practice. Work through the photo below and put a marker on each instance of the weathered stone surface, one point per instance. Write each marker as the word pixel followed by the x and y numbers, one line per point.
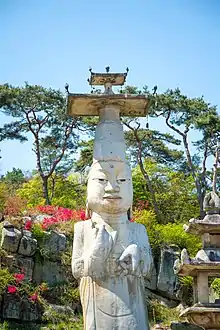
pixel 152 282
pixel 160 327
pixel 11 307
pixel 27 246
pixel 10 239
pixel 39 218
pixel 48 271
pixel 111 255
pixel 16 263
pixel 30 311
pixel 168 283
pixel 164 301
pixel 22 309
pixel 55 243
pixel 184 326
pixel 61 310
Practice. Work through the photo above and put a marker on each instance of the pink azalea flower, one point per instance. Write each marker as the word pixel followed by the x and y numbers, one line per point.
pixel 28 225
pixel 19 277
pixel 34 297
pixel 12 289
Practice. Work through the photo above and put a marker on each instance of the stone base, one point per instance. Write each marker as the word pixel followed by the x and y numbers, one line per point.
pixel 206 316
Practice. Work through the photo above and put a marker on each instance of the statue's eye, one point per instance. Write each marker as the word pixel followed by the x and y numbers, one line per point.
pixel 102 180
pixel 121 180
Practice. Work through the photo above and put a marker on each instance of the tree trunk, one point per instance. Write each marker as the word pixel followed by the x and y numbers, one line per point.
pixel 45 191
pixel 151 190
pixel 215 168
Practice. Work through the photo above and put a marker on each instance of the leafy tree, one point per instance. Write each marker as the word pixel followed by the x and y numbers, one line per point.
pixel 41 112
pixel 174 191
pixel 69 191
pixel 182 114
pixel 14 179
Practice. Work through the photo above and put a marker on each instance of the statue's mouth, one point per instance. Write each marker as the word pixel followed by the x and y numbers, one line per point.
pixel 111 197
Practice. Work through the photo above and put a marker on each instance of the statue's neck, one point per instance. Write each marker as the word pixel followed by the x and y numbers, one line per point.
pixel 113 220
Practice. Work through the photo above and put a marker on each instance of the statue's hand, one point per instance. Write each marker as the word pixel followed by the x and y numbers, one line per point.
pixel 102 245
pixel 131 258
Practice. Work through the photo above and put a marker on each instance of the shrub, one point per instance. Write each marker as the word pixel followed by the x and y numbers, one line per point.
pixel 169 234
pixel 6 278
pixel 14 206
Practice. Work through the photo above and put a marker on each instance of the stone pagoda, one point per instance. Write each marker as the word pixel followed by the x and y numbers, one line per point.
pixel 205 265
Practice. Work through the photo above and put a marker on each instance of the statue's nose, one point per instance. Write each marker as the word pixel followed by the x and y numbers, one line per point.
pixel 112 187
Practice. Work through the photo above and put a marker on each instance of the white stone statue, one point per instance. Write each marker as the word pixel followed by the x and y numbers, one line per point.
pixel 111 255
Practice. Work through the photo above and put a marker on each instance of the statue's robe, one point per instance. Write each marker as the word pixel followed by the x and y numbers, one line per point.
pixel 110 299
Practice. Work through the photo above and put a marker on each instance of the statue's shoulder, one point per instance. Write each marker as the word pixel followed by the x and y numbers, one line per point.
pixel 80 225
pixel 137 226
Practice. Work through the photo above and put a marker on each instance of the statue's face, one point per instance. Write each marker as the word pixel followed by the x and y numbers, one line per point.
pixel 109 187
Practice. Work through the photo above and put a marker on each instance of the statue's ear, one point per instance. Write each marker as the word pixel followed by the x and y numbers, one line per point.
pixel 88 211
pixel 129 213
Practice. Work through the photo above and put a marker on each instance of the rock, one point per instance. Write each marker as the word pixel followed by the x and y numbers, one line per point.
pixel 8 224
pixel 30 311
pixel 164 301
pixel 16 263
pixel 27 233
pixel 21 309
pixel 39 218
pixel 152 282
pixel 160 327
pixel 10 238
pixel 27 246
pixel 184 326
pixel 64 311
pixel 53 244
pixel 11 306
pixel 168 283
pixel 48 271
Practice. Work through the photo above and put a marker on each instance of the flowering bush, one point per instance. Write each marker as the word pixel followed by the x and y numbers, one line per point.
pixel 14 205
pixel 28 225
pixel 12 289
pixel 19 277
pixel 59 214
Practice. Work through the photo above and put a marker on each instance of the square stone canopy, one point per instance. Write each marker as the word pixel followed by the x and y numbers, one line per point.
pixel 90 104
pixel 116 79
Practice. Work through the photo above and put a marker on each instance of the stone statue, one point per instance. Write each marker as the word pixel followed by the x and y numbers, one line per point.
pixel 111 255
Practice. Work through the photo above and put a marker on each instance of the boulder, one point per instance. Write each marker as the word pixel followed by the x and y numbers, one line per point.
pixel 16 263
pixel 64 311
pixel 152 282
pixel 167 281
pixel 30 311
pixel 53 244
pixel 48 271
pixel 10 238
pixel 28 245
pixel 11 306
pixel 21 309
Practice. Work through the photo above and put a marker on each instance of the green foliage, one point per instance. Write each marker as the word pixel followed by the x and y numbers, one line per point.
pixel 14 179
pixel 6 278
pixel 159 313
pixel 64 191
pixel 174 191
pixel 169 234
pixel 42 113
pixel 3 195
pixel 37 232
pixel 70 296
pixel 216 286
pixel 32 192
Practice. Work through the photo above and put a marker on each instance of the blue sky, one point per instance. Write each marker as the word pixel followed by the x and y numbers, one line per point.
pixel 165 42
